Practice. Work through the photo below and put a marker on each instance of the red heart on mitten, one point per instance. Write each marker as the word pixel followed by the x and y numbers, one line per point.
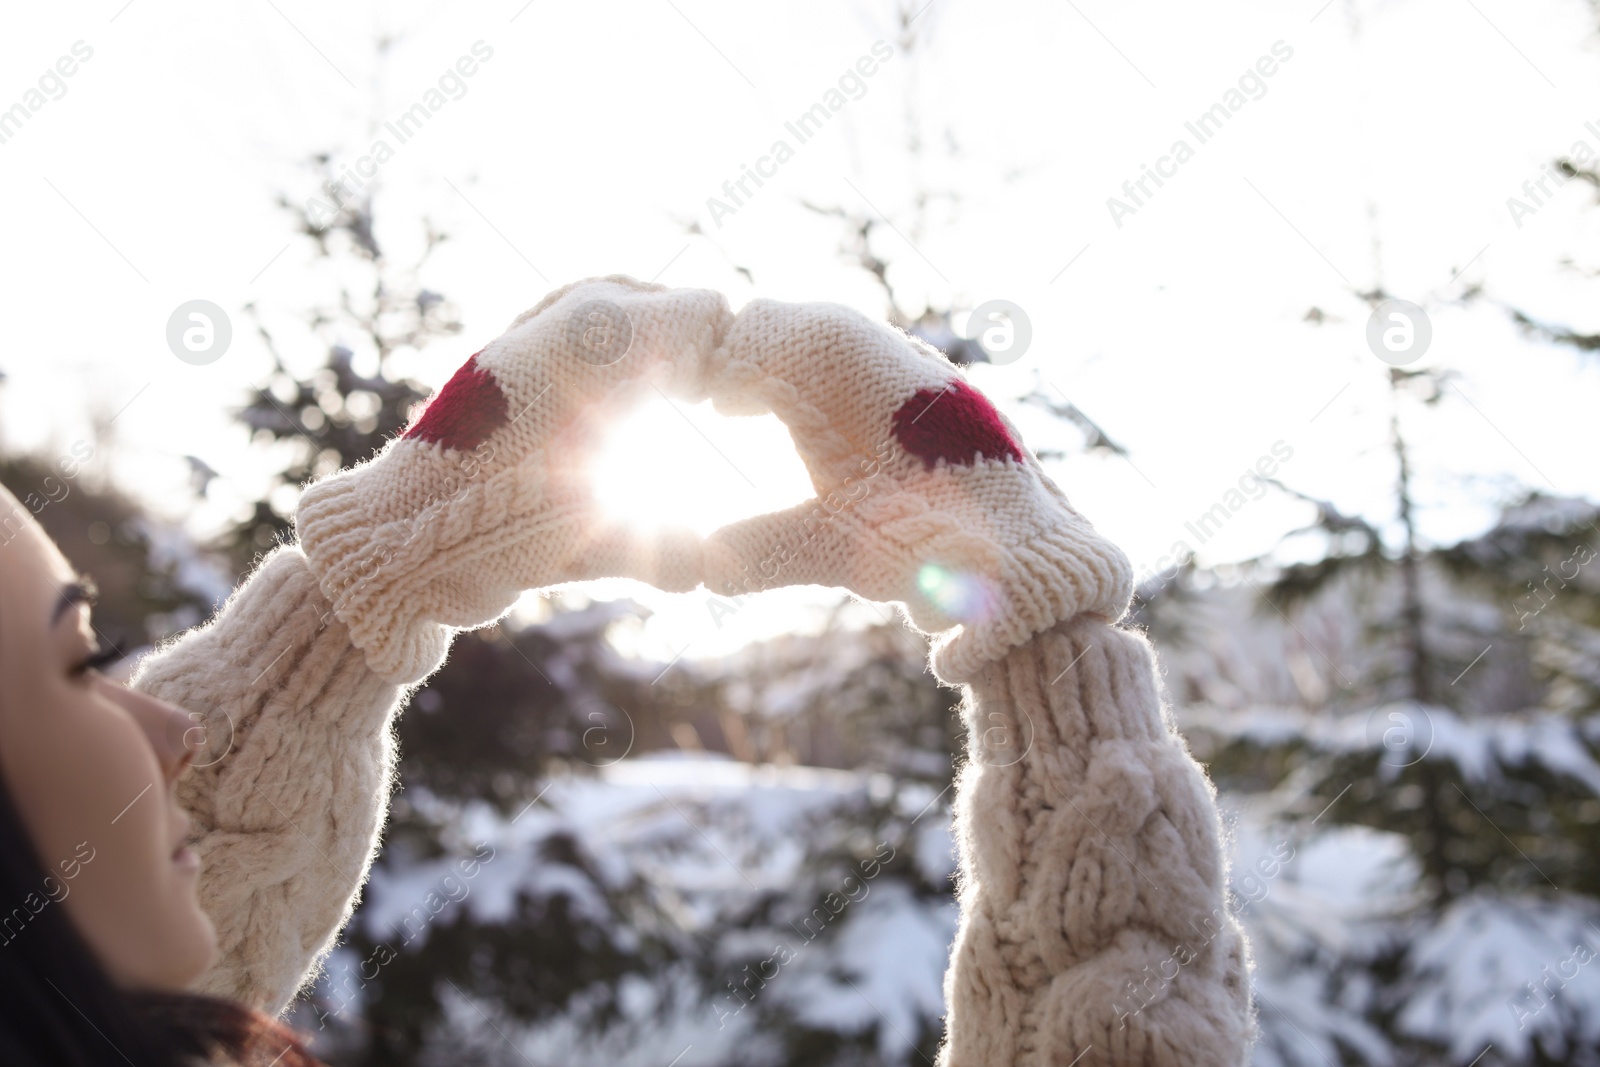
pixel 465 412
pixel 956 424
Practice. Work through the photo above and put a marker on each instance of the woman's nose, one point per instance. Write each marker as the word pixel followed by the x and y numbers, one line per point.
pixel 174 734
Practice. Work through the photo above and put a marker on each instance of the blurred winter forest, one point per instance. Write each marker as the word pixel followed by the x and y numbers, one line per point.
pixel 594 858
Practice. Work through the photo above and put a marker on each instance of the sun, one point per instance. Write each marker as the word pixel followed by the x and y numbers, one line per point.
pixel 673 465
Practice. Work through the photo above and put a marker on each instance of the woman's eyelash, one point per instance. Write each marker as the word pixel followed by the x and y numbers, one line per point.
pixel 105 657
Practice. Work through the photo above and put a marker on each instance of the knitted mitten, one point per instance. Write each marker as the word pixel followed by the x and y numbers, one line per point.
pixel 924 496
pixel 485 495
pixel 1095 928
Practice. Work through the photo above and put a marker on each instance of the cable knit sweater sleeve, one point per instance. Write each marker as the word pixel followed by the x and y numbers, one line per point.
pixel 1094 922
pixel 292 778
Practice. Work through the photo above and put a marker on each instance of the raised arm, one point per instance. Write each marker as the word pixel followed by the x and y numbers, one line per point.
pixel 296 681
pixel 1094 927
pixel 1094 919
pixel 294 760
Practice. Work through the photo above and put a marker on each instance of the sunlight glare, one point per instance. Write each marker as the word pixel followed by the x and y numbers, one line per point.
pixel 679 465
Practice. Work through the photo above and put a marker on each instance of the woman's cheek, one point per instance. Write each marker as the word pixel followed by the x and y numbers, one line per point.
pixel 136 907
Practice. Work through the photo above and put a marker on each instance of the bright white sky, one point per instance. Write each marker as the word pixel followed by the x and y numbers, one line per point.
pixel 1384 150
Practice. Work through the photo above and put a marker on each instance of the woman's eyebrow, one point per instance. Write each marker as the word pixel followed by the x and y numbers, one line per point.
pixel 79 591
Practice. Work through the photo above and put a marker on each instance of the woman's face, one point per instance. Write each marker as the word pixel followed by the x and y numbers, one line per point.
pixel 92 768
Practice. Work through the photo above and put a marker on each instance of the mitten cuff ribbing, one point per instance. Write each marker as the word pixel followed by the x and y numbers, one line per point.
pixel 404 586
pixel 1062 569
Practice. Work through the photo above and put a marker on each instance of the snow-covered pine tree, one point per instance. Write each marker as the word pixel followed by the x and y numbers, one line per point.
pixel 1407 737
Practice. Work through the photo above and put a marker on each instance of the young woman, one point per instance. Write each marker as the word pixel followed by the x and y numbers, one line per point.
pixel 178 855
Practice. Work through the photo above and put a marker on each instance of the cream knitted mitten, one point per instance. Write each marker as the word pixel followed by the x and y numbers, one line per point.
pixel 1095 927
pixel 485 495
pixel 924 495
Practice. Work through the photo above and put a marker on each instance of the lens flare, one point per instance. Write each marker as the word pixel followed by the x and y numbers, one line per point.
pixel 964 596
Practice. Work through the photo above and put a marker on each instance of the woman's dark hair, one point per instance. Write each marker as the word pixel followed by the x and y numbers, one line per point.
pixel 58 1007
